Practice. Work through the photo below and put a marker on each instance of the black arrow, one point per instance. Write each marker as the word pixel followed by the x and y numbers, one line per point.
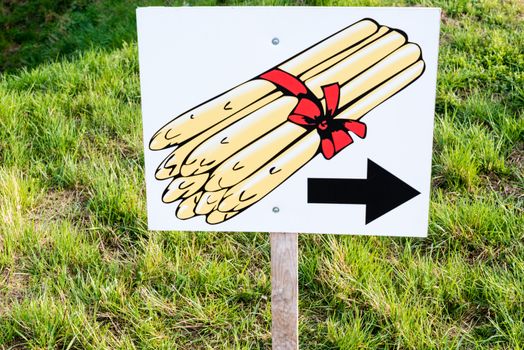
pixel 380 192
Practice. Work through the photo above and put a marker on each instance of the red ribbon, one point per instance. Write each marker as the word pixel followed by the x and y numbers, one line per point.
pixel 309 113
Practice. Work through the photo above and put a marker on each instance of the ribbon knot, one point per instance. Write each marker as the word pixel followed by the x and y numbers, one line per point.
pixel 309 112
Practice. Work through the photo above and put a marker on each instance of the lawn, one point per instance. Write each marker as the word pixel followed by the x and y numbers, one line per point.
pixel 80 270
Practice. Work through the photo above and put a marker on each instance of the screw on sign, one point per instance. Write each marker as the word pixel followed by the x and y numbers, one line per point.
pixel 355 88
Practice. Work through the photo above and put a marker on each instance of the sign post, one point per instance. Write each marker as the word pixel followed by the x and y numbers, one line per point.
pixel 282 119
pixel 284 290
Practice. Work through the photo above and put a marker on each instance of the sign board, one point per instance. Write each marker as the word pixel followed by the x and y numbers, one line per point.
pixel 288 119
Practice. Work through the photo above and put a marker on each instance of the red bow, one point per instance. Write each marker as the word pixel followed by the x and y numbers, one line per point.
pixel 308 112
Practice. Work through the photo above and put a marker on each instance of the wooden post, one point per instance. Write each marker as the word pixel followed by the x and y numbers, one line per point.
pixel 284 290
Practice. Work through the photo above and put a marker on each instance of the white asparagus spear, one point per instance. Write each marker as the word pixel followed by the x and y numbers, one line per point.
pixel 391 65
pixel 383 92
pixel 228 141
pixel 206 115
pixel 334 44
pixel 271 175
pixel 199 119
pixel 171 165
pixel 209 201
pixel 249 159
pixel 183 187
pixel 339 57
pixel 216 217
pixel 186 208
pixel 357 62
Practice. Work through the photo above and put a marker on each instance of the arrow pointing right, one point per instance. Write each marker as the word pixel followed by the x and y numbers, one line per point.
pixel 381 192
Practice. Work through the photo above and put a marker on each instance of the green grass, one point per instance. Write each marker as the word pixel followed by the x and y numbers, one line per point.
pixel 79 270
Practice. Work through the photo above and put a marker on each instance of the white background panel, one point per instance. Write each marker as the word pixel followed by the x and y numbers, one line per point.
pixel 189 55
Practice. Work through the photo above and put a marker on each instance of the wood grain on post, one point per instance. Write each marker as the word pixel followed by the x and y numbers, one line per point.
pixel 284 290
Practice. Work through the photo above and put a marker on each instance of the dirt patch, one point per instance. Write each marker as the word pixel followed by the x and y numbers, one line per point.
pixel 13 288
pixel 438 181
pixel 509 186
pixel 516 157
pixel 58 205
pixel 448 20
pixel 504 186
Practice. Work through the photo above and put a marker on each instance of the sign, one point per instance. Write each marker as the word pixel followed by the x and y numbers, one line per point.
pixel 313 120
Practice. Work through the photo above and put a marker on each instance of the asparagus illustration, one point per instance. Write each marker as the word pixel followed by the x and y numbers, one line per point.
pixel 210 113
pixel 238 147
pixel 231 139
pixel 365 59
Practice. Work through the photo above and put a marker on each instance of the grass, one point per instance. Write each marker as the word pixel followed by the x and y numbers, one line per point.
pixel 80 270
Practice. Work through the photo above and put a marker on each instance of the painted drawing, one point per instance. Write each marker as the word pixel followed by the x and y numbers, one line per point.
pixel 232 150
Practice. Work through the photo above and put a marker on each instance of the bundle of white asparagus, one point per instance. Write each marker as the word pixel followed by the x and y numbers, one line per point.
pixel 234 149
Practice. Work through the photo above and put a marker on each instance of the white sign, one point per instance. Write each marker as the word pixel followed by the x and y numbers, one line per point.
pixel 288 119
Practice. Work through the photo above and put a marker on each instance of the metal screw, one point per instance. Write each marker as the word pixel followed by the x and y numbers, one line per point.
pixel 276 210
pixel 275 41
